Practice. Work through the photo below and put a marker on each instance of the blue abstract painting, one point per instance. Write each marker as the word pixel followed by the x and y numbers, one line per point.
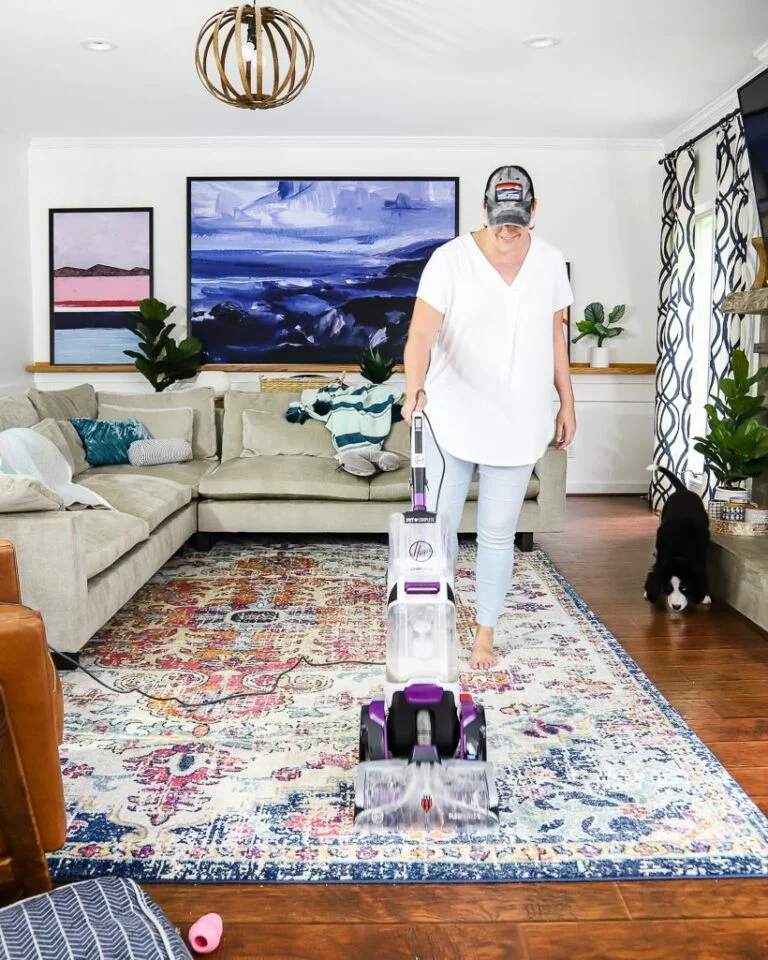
pixel 310 271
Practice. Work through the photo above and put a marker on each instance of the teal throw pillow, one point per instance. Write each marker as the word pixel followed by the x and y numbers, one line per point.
pixel 107 441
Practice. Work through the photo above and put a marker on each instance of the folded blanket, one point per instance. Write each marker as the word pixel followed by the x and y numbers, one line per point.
pixel 26 452
pixel 358 417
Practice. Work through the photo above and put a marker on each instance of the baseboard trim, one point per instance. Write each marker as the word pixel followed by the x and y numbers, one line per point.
pixel 606 488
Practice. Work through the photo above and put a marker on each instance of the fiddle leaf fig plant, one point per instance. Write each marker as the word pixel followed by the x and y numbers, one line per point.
pixel 736 445
pixel 594 323
pixel 160 358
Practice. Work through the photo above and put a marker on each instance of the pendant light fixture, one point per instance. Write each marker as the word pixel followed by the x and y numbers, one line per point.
pixel 254 57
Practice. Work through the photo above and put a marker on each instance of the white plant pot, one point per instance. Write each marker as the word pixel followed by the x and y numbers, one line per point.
pixel 599 357
pixel 731 495
pixel 218 379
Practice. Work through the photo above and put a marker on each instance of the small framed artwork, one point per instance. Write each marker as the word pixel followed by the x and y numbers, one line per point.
pixel 100 265
pixel 567 317
pixel 308 273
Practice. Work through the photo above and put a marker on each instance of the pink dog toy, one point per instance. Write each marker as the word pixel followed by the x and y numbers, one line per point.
pixel 204 936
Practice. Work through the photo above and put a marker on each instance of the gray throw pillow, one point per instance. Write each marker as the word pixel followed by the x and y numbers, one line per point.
pixel 149 453
pixel 21 494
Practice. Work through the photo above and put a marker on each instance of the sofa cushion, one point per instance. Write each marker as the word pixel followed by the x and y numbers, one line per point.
pixel 199 398
pixel 22 494
pixel 17 411
pixel 268 433
pixel 275 404
pixel 76 446
pixel 281 477
pixel 153 499
pixel 176 422
pixel 108 534
pixel 51 430
pixel 77 401
pixel 396 486
pixel 189 474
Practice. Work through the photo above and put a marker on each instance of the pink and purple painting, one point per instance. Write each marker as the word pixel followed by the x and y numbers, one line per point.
pixel 100 270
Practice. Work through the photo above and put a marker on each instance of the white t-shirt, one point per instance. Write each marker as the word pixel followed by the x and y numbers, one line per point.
pixel 490 379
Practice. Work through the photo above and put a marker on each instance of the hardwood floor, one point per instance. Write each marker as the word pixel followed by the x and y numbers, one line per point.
pixel 712 665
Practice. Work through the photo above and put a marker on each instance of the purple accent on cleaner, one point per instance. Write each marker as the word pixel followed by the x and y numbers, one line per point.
pixel 420 694
pixel 468 714
pixel 423 586
pixel 419 501
pixel 377 713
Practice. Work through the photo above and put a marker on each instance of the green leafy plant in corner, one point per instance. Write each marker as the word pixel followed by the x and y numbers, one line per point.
pixel 594 325
pixel 736 445
pixel 374 367
pixel 160 358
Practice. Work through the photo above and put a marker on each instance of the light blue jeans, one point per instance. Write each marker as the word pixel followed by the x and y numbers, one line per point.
pixel 500 498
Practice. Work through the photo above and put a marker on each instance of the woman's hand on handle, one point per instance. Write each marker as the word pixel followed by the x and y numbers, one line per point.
pixel 414 404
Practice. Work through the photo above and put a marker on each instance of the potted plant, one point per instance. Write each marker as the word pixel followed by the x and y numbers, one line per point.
pixel 594 325
pixel 736 446
pixel 163 360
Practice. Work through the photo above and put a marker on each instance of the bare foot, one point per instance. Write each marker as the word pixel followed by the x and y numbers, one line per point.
pixel 483 657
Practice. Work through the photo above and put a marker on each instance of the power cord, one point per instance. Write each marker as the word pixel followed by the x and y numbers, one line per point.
pixel 231 696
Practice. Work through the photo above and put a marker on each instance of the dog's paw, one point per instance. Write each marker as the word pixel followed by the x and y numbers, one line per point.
pixel 645 594
pixel 706 601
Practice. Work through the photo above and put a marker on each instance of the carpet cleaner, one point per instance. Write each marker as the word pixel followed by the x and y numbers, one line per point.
pixel 423 759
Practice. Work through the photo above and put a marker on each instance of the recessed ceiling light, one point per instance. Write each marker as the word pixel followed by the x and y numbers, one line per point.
pixel 99 46
pixel 540 41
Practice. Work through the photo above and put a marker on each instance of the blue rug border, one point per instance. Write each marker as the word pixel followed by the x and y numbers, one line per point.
pixel 65 869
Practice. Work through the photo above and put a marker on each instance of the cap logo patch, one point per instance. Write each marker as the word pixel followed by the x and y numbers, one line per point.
pixel 509 190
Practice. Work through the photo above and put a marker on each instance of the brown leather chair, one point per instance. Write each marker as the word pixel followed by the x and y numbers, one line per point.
pixel 32 814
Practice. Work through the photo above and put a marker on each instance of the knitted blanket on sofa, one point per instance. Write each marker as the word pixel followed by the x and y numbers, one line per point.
pixel 358 417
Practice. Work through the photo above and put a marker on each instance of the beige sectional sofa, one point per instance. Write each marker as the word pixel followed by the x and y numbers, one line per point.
pixel 252 472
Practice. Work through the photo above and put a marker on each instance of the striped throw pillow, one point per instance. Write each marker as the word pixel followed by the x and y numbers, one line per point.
pixel 149 453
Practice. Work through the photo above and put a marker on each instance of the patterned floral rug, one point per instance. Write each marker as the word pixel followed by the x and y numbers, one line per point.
pixel 599 777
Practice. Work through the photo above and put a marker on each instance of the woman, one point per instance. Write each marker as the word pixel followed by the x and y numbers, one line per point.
pixel 485 347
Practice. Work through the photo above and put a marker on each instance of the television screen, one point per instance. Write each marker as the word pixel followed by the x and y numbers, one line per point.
pixel 753 97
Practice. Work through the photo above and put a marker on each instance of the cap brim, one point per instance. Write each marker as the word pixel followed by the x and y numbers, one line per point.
pixel 518 216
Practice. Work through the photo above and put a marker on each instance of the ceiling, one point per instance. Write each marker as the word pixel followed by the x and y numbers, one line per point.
pixel 385 67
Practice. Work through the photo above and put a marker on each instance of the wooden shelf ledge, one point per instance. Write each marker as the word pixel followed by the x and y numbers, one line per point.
pixel 633 369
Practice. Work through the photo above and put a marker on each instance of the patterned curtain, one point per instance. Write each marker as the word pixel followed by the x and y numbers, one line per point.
pixel 674 343
pixel 732 268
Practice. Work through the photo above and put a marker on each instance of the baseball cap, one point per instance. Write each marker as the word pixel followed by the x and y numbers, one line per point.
pixel 509 197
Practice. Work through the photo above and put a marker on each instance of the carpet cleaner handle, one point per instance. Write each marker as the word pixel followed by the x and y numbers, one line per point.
pixel 418 463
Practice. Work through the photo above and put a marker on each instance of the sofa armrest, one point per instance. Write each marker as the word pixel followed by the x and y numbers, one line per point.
pixel 50 555
pixel 551 471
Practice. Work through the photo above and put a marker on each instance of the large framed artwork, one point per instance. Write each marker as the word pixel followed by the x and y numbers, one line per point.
pixel 310 272
pixel 100 269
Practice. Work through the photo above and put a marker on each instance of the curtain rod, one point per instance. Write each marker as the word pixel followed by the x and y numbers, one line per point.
pixel 704 133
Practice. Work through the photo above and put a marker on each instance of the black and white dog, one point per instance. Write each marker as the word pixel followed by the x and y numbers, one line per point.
pixel 679 572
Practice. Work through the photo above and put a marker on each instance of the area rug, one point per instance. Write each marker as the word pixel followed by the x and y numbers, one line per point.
pixel 599 778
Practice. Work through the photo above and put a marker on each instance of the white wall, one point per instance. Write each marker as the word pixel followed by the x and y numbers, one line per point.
pixel 598 202
pixel 15 292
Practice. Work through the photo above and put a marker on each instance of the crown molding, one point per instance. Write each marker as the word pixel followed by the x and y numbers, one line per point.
pixel 761 52
pixel 710 113
pixel 396 143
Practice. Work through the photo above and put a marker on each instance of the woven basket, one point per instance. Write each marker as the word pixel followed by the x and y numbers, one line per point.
pixel 738 528
pixel 297 382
